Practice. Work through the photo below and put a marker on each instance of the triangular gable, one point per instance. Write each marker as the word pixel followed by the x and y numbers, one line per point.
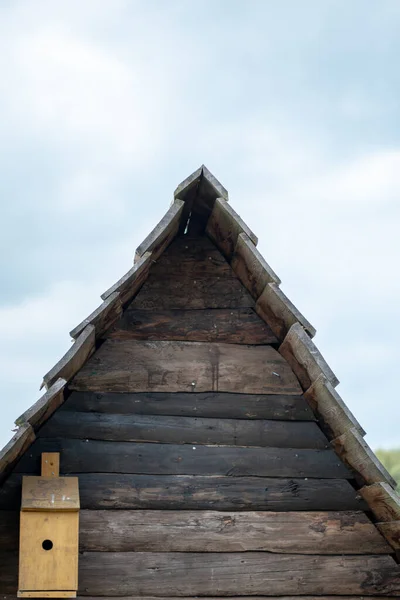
pixel 201 205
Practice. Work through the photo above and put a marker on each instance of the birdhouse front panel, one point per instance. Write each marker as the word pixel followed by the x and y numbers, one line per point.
pixel 48 551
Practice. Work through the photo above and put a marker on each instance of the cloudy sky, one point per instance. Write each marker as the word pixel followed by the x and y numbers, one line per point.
pixel 106 105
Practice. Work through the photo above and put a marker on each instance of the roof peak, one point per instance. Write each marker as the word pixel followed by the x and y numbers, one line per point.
pixel 199 177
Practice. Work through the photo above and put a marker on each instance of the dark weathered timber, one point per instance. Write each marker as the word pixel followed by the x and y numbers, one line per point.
pixel 213 404
pixel 163 233
pixel 137 366
pixel 357 597
pixel 92 456
pixel 184 492
pixel 233 326
pixel 180 574
pixel 347 532
pixel 185 293
pixel 192 274
pixel 224 574
pixel 184 430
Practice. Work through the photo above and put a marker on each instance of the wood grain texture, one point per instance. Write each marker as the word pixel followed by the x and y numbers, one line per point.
pixel 163 233
pixel 102 318
pixel 304 358
pixel 326 402
pixel 192 274
pixel 73 359
pixel 275 308
pixel 135 366
pixel 383 500
pixel 355 452
pixel 346 532
pixel 225 574
pixel 213 404
pixel 184 430
pixel 130 283
pixel 39 412
pixel 224 227
pixel 234 326
pixel 91 456
pixel 185 492
pixel 354 597
pixel 251 268
pixel 391 532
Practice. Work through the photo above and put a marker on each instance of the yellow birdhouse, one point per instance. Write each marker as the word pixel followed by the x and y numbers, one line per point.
pixel 49 533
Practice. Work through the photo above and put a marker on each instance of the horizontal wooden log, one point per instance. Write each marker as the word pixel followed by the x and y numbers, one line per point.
pixel 347 532
pixel 73 359
pixel 181 293
pixel 185 492
pixel 163 233
pixel 184 430
pixel 355 452
pixel 275 308
pixel 39 412
pixel 326 402
pixel 251 268
pixel 213 404
pixel 102 318
pixel 355 597
pixel 382 500
pixel 304 358
pixel 132 281
pixel 230 325
pixel 226 574
pixel 224 227
pixel 92 456
pixel 15 448
pixel 135 366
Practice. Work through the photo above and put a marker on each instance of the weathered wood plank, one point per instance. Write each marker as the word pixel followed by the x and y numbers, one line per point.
pixel 275 308
pixel 185 492
pixel 304 358
pixel 73 359
pixel 382 500
pixel 232 325
pixel 213 404
pixel 355 597
pixel 210 531
pixel 102 318
pixel 184 430
pixel 93 456
pixel 39 412
pixel 163 233
pixel 347 532
pixel 251 268
pixel 132 281
pixel 182 293
pixel 226 574
pixel 329 406
pixel 224 227
pixel 355 452
pixel 136 366
pixel 15 448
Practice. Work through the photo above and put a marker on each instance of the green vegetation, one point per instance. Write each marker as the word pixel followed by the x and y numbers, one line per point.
pixel 391 461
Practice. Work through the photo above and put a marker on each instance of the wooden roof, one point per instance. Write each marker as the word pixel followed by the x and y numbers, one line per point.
pixel 201 208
